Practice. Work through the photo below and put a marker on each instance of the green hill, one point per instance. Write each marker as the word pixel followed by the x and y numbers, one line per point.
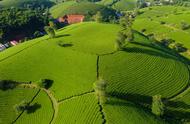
pixel 24 3
pixel 168 22
pixel 86 8
pixel 134 75
pixel 121 5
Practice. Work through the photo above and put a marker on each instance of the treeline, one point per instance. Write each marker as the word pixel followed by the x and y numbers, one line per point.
pixel 21 21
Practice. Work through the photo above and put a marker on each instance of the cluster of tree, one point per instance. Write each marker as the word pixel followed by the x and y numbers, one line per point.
pixel 25 106
pixel 100 90
pixel 21 21
pixel 178 47
pixel 126 34
pixel 7 84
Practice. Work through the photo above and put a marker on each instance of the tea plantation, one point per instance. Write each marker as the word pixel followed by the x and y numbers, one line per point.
pixel 74 60
pixel 168 21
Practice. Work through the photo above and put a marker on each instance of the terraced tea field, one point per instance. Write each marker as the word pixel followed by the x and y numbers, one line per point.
pixel 140 71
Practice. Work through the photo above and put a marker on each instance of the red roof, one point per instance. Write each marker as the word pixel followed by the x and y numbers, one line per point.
pixel 70 19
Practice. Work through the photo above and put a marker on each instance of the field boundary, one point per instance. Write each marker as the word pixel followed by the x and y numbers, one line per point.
pixel 55 105
pixel 28 104
pixel 21 50
pixel 74 96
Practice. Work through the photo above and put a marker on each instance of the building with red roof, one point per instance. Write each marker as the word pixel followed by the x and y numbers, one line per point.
pixel 71 19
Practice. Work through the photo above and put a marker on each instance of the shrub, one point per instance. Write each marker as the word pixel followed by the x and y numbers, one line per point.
pixel 37 34
pixel 162 22
pixel 157 105
pixel 178 47
pixel 143 30
pixel 50 31
pixel 167 42
pixel 45 83
pixel 184 26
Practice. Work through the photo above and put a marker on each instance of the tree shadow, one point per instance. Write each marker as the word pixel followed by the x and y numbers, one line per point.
pixel 33 108
pixel 67 45
pixel 178 104
pixel 149 52
pixel 8 84
pixel 146 101
pixel 135 98
pixel 62 35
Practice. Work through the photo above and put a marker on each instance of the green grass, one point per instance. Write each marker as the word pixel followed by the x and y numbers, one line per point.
pixel 82 109
pixel 172 16
pixel 142 70
pixel 121 5
pixel 74 70
pixel 119 112
pixel 150 72
pixel 41 115
pixel 89 39
pixel 9 98
pixel 58 9
pixel 20 3
pixel 124 5
pixel 85 8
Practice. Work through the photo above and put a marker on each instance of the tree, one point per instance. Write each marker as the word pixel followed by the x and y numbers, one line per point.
pixel 178 47
pixel 45 83
pixel 22 106
pixel 167 42
pixel 157 105
pixel 120 41
pixel 184 25
pixel 98 17
pixel 1 34
pixel 126 21
pixel 100 90
pixel 53 25
pixel 50 31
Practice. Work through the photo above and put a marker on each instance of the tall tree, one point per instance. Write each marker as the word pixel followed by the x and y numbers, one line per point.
pixel 98 17
pixel 157 105
pixel 100 89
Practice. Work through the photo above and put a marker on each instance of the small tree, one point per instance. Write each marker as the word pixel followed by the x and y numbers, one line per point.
pixel 100 89
pixel 157 105
pixel 184 26
pixel 45 83
pixel 21 106
pixel 178 47
pixel 167 42
pixel 120 41
pixel 1 34
pixel 53 25
pixel 37 34
pixel 50 31
pixel 98 17
pixel 129 34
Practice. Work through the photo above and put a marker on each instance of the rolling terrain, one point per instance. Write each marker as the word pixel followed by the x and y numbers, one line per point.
pixel 133 75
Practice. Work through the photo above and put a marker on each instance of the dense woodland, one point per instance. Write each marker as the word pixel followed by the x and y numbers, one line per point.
pixel 21 21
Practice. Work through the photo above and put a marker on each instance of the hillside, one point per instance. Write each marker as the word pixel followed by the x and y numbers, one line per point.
pixel 168 21
pixel 24 3
pixel 85 8
pixel 120 5
pixel 133 75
